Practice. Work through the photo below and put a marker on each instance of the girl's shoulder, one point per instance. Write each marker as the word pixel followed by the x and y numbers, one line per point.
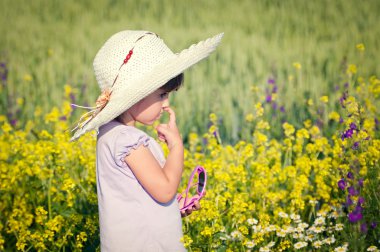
pixel 115 131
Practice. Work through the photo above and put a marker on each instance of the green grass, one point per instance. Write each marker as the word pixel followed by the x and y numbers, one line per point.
pixel 56 41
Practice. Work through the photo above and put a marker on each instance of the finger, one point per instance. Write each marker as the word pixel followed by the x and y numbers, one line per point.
pixel 196 205
pixel 162 129
pixel 188 211
pixel 183 214
pixel 161 138
pixel 172 118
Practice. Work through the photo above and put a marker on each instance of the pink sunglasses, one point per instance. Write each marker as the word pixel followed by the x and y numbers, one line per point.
pixel 201 188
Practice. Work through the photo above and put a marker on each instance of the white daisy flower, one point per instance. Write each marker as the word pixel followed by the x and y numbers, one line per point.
pixel 340 249
pixel 339 227
pixel 256 229
pixel 283 215
pixel 329 240
pixel 270 228
pixel 281 233
pixel 322 213
pixel 313 202
pixel 289 229
pixel 317 244
pixel 264 249
pixel 252 221
pixel 309 237
pixel 300 245
pixel 250 244
pixel 319 229
pixel 303 225
pixel 372 248
pixel 295 217
pixel 236 235
pixel 299 229
pixel 319 221
pixel 271 244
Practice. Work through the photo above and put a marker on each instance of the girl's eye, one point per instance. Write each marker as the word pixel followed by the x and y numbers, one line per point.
pixel 164 95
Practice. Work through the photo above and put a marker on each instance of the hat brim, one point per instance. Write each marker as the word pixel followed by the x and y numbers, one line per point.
pixel 121 98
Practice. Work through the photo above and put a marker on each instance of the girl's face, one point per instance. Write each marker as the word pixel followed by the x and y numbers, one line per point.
pixel 149 109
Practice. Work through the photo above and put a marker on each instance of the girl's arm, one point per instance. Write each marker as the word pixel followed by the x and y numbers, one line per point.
pixel 160 183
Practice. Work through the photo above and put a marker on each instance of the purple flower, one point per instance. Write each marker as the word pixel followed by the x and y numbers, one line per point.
pixel 373 224
pixel 336 87
pixel 349 201
pixel 274 90
pixel 282 109
pixel 352 191
pixel 360 201
pixel 271 81
pixel 355 146
pixel 350 175
pixel 347 134
pixel 72 97
pixel 363 228
pixel 274 105
pixel 346 85
pixel 353 126
pixel 341 120
pixel 3 71
pixel 268 99
pixel 13 122
pixel 63 118
pixel 355 216
pixel 360 182
pixel 342 184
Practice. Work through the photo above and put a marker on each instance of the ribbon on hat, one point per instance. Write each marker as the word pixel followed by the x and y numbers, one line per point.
pixel 104 97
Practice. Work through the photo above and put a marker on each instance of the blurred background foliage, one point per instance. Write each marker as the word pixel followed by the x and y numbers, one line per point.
pixel 45 45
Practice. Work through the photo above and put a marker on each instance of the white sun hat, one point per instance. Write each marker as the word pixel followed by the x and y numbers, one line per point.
pixel 130 66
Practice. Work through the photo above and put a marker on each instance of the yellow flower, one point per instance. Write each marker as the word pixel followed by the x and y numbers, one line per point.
pixel 288 129
pixel 37 111
pixel 259 109
pixel 20 101
pixel 186 240
pixel 53 116
pixel 360 47
pixel 310 102
pixel 50 52
pixel 334 116
pixel 297 65
pixel 351 69
pixel 314 131
pixel 249 117
pixel 6 127
pixel 263 125
pixel 207 231
pixel 68 90
pixel 324 99
pixel 307 123
pixel 254 89
pixel 302 133
pixel 213 118
pixel 28 78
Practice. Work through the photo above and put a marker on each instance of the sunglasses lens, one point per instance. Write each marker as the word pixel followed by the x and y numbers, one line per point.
pixel 201 182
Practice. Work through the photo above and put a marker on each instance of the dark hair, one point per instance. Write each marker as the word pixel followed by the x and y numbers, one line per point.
pixel 173 84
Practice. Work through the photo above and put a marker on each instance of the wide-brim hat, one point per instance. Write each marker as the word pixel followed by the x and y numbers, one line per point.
pixel 130 66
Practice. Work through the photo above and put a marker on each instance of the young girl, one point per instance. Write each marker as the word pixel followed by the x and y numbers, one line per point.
pixel 136 185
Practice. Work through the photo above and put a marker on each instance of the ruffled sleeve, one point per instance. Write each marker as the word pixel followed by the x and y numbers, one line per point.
pixel 128 140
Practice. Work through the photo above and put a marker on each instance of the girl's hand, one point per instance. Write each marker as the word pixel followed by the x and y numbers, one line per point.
pixel 188 211
pixel 169 132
